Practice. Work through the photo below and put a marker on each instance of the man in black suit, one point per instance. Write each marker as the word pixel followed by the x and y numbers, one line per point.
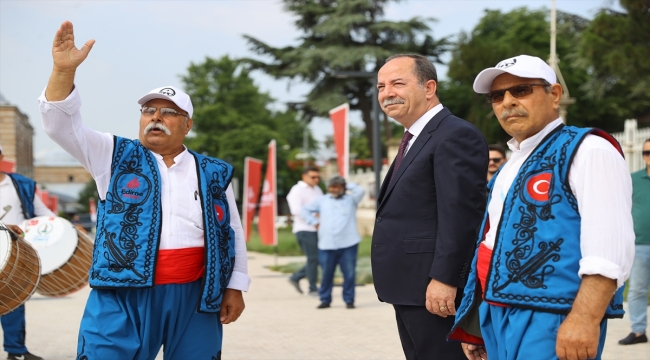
pixel 430 208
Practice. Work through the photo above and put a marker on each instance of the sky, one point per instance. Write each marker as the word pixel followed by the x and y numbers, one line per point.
pixel 145 44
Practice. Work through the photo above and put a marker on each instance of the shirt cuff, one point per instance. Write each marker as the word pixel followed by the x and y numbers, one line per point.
pixel 239 281
pixel 70 105
pixel 592 265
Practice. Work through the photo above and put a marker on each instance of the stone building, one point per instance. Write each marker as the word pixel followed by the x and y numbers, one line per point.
pixel 16 138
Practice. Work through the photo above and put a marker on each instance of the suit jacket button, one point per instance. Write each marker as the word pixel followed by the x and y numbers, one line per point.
pixel 378 218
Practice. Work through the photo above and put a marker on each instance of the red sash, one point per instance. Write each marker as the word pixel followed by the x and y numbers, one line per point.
pixel 180 266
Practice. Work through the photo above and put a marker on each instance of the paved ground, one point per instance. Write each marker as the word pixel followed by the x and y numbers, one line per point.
pixel 278 323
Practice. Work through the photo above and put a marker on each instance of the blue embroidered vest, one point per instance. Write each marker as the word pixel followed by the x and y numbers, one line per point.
pixel 26 189
pixel 129 222
pixel 536 255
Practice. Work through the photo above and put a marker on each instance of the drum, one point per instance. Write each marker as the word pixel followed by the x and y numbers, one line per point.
pixel 66 254
pixel 20 270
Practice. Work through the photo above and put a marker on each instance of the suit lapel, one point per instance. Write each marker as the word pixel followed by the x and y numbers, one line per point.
pixel 411 153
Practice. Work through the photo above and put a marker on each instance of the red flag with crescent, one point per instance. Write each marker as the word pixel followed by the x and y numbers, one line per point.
pixel 252 182
pixel 268 202
pixel 339 116
pixel 539 185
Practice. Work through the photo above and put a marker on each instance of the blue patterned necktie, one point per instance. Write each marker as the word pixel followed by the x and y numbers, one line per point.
pixel 400 153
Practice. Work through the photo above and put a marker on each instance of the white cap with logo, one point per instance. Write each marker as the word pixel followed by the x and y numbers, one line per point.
pixel 171 93
pixel 524 66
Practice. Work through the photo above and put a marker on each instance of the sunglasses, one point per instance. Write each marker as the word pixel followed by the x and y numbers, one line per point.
pixel 645 152
pixel 517 91
pixel 496 160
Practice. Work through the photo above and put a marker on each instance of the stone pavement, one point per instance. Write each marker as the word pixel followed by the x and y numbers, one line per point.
pixel 278 323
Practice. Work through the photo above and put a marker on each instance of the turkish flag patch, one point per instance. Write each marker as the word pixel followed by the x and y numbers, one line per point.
pixel 539 185
pixel 220 212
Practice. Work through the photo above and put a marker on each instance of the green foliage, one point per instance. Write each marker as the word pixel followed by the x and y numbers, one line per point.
pixel 232 118
pixel 615 48
pixel 89 191
pixel 343 35
pixel 288 245
pixel 498 36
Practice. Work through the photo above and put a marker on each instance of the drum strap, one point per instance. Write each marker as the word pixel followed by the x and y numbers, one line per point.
pixel 180 266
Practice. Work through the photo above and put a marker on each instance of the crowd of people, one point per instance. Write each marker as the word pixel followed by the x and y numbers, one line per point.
pixel 480 254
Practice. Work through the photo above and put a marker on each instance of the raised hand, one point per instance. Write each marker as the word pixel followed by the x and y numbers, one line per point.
pixel 66 60
pixel 64 53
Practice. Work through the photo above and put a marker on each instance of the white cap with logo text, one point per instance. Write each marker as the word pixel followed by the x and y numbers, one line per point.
pixel 173 94
pixel 524 66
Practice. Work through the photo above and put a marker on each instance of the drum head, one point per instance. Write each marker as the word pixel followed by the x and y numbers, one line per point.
pixel 53 238
pixel 5 246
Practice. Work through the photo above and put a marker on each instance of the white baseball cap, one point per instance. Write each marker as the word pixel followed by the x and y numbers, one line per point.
pixel 173 94
pixel 524 66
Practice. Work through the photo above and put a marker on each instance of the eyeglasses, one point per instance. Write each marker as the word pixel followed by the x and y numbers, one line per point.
pixel 496 160
pixel 166 113
pixel 517 91
pixel 645 152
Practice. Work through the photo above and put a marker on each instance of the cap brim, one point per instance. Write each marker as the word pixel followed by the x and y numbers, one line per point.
pixel 143 100
pixel 483 81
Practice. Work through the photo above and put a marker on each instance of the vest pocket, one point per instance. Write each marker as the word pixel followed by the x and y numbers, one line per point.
pixel 419 245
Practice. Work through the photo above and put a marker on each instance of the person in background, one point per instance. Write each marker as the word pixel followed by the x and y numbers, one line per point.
pixel 637 295
pixel 497 156
pixel 338 236
pixel 302 193
pixel 18 202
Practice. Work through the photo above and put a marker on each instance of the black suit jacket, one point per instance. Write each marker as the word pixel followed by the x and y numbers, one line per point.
pixel 429 215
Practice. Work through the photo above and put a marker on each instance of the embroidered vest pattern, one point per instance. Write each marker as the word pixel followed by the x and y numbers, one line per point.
pixel 130 219
pixel 536 255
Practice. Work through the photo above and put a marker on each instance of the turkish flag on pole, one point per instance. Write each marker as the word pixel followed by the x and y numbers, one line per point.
pixel 252 181
pixel 93 209
pixel 268 202
pixel 339 116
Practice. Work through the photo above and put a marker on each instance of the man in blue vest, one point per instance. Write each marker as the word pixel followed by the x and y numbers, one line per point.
pixel 169 263
pixel 556 244
pixel 18 202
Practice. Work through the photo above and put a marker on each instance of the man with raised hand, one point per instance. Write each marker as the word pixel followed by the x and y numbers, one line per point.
pixel 169 262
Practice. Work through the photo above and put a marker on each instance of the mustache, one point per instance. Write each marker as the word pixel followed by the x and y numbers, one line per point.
pixel 509 112
pixel 391 101
pixel 158 126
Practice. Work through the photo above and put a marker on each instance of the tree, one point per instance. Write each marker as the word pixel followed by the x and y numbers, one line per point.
pixel 343 35
pixel 616 48
pixel 232 118
pixel 89 191
pixel 498 36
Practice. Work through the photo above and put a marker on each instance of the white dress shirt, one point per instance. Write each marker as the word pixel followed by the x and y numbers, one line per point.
pixel 183 217
pixel 300 195
pixel 9 199
pixel 600 180
pixel 417 127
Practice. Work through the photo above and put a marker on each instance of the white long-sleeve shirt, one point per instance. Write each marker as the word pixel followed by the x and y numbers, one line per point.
pixel 601 182
pixel 300 195
pixel 183 225
pixel 9 200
